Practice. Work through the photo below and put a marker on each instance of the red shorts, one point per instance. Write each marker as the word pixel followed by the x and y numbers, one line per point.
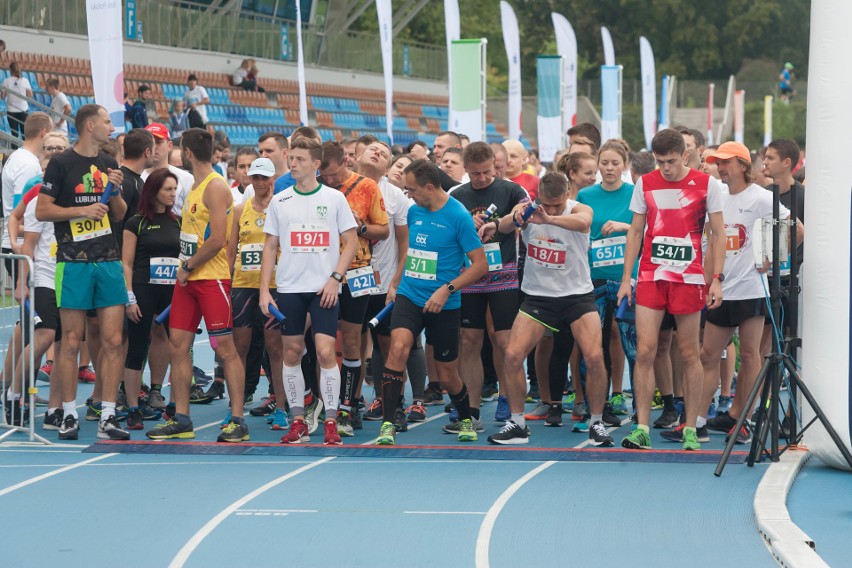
pixel 210 299
pixel 675 297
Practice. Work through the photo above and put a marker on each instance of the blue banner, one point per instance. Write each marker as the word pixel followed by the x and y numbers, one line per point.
pixel 130 19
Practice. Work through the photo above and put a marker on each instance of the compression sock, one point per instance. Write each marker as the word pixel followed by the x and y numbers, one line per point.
pixel 330 385
pixel 668 402
pixel 392 385
pixel 294 384
pixel 351 374
pixel 461 400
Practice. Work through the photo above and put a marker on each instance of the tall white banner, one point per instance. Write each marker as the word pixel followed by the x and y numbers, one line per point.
pixel 383 8
pixel 739 116
pixel 566 46
pixel 467 92
pixel 767 120
pixel 649 90
pixel 551 135
pixel 609 50
pixel 512 41
pixel 300 69
pixel 664 103
pixel 611 102
pixel 452 23
pixel 107 57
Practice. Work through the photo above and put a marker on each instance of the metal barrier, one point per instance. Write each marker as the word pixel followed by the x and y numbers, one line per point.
pixel 19 370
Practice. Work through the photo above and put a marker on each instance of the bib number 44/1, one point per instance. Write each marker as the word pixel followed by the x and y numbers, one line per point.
pixel 83 229
pixel 672 251
pixel 163 270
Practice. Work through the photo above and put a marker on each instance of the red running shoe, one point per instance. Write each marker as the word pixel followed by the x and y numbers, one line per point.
pixel 86 375
pixel 332 438
pixel 298 433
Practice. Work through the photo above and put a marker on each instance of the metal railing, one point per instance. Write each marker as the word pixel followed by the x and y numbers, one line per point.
pixel 182 26
pixel 40 106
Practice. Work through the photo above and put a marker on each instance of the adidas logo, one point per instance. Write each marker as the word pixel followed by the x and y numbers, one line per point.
pixel 691 182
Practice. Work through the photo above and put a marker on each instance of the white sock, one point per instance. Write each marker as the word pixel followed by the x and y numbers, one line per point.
pixel 70 409
pixel 330 387
pixel 597 418
pixel 12 396
pixel 107 410
pixel 519 419
pixel 294 384
pixel 700 421
pixel 52 409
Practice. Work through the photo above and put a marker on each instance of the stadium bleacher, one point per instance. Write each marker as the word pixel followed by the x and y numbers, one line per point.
pixel 337 110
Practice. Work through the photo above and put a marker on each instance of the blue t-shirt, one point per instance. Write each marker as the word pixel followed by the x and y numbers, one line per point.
pixel 283 183
pixel 606 255
pixel 438 243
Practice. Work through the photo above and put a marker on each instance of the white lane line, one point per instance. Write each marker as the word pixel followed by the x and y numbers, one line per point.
pixel 43 476
pixel 184 553
pixel 445 512
pixel 483 539
pixel 286 511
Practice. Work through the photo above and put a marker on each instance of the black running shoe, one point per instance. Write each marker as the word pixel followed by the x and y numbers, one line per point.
pixel 15 413
pixel 53 421
pixel 676 435
pixel 609 417
pixel 70 428
pixel 744 435
pixel 198 396
pixel 216 390
pixel 234 432
pixel 723 422
pixel 598 435
pixel 400 420
pixel 134 419
pixel 510 434
pixel 110 429
pixel 432 395
pixel 172 429
pixel 266 407
pixel 668 419
pixel 554 415
pixel 355 418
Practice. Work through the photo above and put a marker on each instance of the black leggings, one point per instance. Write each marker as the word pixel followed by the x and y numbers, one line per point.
pixel 152 299
pixel 563 345
pixel 16 123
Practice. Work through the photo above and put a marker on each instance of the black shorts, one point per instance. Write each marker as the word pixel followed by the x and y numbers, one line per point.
pixel 246 305
pixel 733 312
pixel 504 306
pixel 44 303
pixel 376 304
pixel 352 310
pixel 669 323
pixel 557 314
pixel 297 306
pixel 442 329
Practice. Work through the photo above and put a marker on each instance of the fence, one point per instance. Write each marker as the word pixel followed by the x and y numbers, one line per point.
pixel 17 328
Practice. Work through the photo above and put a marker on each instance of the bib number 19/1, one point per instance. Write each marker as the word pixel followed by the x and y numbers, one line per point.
pixel 83 229
pixel 309 238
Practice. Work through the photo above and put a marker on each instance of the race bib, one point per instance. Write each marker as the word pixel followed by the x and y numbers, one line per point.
pixel 732 241
pixel 608 252
pixel 250 257
pixel 361 281
pixel 493 256
pixel 421 264
pixel 188 245
pixel 309 238
pixel 163 270
pixel 672 251
pixel 83 229
pixel 546 254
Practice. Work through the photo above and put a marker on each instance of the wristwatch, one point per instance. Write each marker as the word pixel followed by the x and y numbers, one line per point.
pixel 720 276
pixel 362 230
pixel 185 266
pixel 337 276
pixel 450 287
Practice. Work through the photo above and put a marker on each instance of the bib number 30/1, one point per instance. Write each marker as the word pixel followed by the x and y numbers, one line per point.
pixel 672 251
pixel 83 228
pixel 421 264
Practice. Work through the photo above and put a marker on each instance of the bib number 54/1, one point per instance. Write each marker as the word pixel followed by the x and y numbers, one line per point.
pixel 421 264
pixel 83 228
pixel 672 251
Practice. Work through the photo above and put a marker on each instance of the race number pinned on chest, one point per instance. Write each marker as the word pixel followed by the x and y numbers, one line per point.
pixel 250 257
pixel 188 245
pixel 608 252
pixel 547 254
pixel 361 281
pixel 421 264
pixel 493 256
pixel 672 251
pixel 733 242
pixel 83 228
pixel 163 270
pixel 309 238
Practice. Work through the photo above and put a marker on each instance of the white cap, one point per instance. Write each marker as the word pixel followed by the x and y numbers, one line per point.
pixel 262 167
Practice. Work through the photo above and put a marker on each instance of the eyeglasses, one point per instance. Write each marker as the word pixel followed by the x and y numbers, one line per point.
pixel 54 148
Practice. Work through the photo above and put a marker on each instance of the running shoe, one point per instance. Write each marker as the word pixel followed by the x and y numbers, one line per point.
pixel 121 399
pixel 453 413
pixel 568 402
pixel 599 436
pixel 467 431
pixel 387 435
pixel 227 420
pixel 344 424
pixel 312 413
pixel 509 435
pixel 149 413
pixel 134 419
pixel 456 427
pixel 248 399
pixel 234 432
pixel 46 368
pixel 554 415
pixel 583 425
pixel 579 410
pixel 502 414
pixel 668 419
pixel 533 395
pixel 198 396
pixel 711 411
pixel 279 420
pixel 489 392
pixel 298 433
pixel 538 413
pixel 355 417
pixel 200 378
pixel 638 439
pixel 93 411
pixel 172 429
pixel 690 440
pixel 331 437
pixel 156 400
pixel 86 375
pixel 110 429
pixel 657 401
pixel 744 435
pixel 432 395
pixel 416 412
pixel 723 422
pixel 400 421
pixel 676 434
pixel 70 428
pixel 53 421
pixel 216 390
pixel 619 405
pixel 725 403
pixel 609 418
pixel 16 413
pixel 374 412
pixel 266 407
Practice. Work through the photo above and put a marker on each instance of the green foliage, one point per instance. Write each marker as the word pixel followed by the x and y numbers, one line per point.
pixel 788 121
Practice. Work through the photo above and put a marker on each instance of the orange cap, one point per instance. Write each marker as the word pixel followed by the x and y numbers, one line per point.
pixel 730 150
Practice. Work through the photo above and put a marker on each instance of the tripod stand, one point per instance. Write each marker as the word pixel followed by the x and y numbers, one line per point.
pixel 771 375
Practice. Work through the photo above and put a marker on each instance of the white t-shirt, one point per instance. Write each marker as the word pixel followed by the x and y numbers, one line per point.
pixel 21 167
pixel 386 252
pixel 195 95
pixel 20 86
pixel 308 228
pixel 742 279
pixel 239 75
pixel 239 198
pixel 58 104
pixel 185 182
pixel 44 260
pixel 557 262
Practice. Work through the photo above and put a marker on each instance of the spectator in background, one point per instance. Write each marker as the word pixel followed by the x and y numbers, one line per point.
pixel 197 99
pixel 240 78
pixel 55 142
pixel 178 117
pixel 59 104
pixel 535 166
pixel 349 146
pixel 175 157
pixel 137 113
pixel 642 163
pixel 2 46
pixel 252 76
pixel 586 130
pixel 17 107
pixel 418 150
pixel 453 165
pixel 501 160
pixel 785 82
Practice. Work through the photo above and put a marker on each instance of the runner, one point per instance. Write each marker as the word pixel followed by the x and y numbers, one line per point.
pixel 306 224
pixel 88 270
pixel 559 295
pixel 441 235
pixel 674 200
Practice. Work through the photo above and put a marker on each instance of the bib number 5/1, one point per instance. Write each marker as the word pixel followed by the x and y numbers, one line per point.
pixel 672 251
pixel 421 264
pixel 83 229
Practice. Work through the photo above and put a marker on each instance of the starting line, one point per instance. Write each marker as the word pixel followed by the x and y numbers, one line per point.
pixel 416 452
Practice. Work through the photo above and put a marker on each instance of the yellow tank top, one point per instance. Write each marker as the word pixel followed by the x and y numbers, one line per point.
pixel 195 228
pixel 249 248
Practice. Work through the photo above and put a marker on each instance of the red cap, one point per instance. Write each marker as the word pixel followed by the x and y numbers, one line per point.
pixel 159 131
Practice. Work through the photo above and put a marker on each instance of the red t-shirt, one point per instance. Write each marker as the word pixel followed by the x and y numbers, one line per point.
pixel 528 182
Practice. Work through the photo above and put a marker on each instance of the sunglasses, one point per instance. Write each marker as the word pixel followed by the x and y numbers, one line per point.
pixel 54 148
